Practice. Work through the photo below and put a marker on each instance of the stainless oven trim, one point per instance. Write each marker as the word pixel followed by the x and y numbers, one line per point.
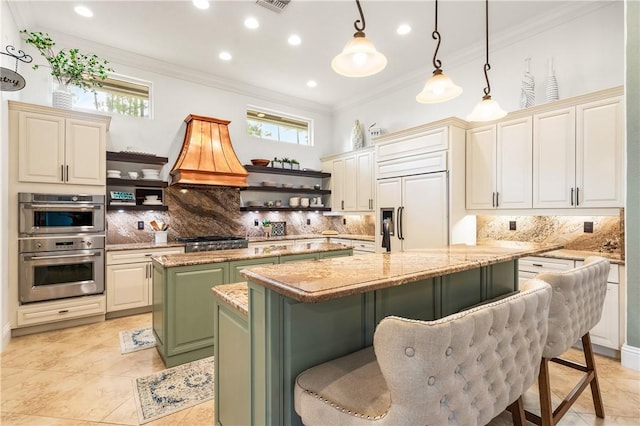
pixel 27 228
pixel 31 293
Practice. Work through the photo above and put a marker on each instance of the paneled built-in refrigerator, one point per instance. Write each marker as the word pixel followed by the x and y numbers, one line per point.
pixel 416 210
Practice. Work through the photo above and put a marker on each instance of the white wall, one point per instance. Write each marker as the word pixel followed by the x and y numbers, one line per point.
pixel 588 53
pixel 174 99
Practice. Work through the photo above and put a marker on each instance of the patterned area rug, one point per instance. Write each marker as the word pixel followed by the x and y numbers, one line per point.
pixel 136 340
pixel 174 389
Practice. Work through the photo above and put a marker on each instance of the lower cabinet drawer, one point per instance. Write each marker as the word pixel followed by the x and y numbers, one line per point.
pixel 363 246
pixel 542 264
pixel 59 311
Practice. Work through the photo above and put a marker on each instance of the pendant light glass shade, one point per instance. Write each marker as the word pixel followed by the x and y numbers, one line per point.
pixel 359 58
pixel 486 110
pixel 439 88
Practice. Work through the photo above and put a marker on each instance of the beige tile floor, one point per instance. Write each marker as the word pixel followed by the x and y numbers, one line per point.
pixel 77 376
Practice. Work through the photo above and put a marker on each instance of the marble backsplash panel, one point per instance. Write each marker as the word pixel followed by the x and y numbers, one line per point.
pixel 607 235
pixel 216 211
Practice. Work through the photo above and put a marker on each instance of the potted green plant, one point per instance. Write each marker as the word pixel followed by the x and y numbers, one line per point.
pixel 276 162
pixel 286 163
pixel 295 165
pixel 68 67
pixel 266 226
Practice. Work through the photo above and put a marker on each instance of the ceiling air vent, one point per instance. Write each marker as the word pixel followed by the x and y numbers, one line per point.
pixel 275 5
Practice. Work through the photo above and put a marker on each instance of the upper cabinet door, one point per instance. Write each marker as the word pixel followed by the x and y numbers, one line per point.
pixel 514 164
pixel 481 168
pixel 41 148
pixel 554 154
pixel 600 153
pixel 337 184
pixel 350 184
pixel 85 152
pixel 364 164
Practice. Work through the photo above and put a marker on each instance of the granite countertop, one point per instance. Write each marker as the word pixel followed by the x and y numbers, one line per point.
pixel 138 246
pixel 614 258
pixel 236 295
pixel 306 236
pixel 217 256
pixel 325 279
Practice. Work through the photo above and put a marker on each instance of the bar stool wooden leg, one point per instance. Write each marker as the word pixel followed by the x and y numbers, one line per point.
pixel 544 387
pixel 517 412
pixel 591 367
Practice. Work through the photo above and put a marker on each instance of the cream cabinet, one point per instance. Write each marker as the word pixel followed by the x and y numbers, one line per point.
pixel 57 147
pixel 607 331
pixel 129 277
pixel 352 186
pixel 498 165
pixel 578 156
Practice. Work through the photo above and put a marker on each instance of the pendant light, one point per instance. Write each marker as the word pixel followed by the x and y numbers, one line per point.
pixel 359 58
pixel 439 87
pixel 487 109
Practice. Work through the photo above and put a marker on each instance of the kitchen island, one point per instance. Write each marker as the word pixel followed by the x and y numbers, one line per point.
pixel 302 315
pixel 182 303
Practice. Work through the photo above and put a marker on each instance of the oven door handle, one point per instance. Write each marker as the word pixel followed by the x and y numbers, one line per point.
pixel 62 207
pixel 62 256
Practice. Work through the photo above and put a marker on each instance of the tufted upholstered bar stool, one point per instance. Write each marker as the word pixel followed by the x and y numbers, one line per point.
pixel 576 307
pixel 464 369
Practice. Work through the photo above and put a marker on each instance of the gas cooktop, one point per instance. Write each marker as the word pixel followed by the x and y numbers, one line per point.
pixel 212 242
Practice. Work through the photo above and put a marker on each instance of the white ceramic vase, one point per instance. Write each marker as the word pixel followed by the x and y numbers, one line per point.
pixel 527 91
pixel 357 137
pixel 551 93
pixel 61 97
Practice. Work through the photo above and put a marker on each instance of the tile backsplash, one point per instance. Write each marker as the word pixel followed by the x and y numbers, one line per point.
pixel 607 235
pixel 216 211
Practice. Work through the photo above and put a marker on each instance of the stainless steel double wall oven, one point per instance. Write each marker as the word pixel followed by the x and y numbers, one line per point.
pixel 61 243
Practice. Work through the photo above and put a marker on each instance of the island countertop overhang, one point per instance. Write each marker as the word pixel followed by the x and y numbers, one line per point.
pixel 326 279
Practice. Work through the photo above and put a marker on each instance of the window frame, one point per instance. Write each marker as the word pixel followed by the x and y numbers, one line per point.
pixel 125 79
pixel 292 117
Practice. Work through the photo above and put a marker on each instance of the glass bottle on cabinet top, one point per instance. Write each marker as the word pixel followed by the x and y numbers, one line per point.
pixel 133 181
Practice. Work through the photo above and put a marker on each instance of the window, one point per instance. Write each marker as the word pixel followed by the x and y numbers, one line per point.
pixel 118 94
pixel 271 125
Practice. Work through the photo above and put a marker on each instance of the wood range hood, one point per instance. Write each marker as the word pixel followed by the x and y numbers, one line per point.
pixel 207 156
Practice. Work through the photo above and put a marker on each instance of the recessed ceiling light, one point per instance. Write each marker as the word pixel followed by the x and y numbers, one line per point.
pixel 311 83
pixel 83 11
pixel 294 40
pixel 251 23
pixel 225 56
pixel 403 29
pixel 201 4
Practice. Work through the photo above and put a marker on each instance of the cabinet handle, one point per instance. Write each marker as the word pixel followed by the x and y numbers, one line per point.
pixel 497 199
pixel 342 204
pixel 577 196
pixel 62 172
pixel 493 199
pixel 66 179
pixel 539 265
pixel 572 196
pixel 63 311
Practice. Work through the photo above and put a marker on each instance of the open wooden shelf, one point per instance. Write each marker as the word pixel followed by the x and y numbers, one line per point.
pixel 287 190
pixel 289 172
pixel 138 208
pixel 149 183
pixel 285 209
pixel 130 157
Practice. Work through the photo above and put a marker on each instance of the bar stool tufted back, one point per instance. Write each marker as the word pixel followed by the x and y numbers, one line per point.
pixel 464 369
pixel 576 307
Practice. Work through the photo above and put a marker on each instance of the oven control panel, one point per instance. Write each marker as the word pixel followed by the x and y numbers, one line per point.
pixel 35 245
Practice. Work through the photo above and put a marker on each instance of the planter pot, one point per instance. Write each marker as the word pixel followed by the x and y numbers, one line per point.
pixel 61 98
pixel 277 164
pixel 295 166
